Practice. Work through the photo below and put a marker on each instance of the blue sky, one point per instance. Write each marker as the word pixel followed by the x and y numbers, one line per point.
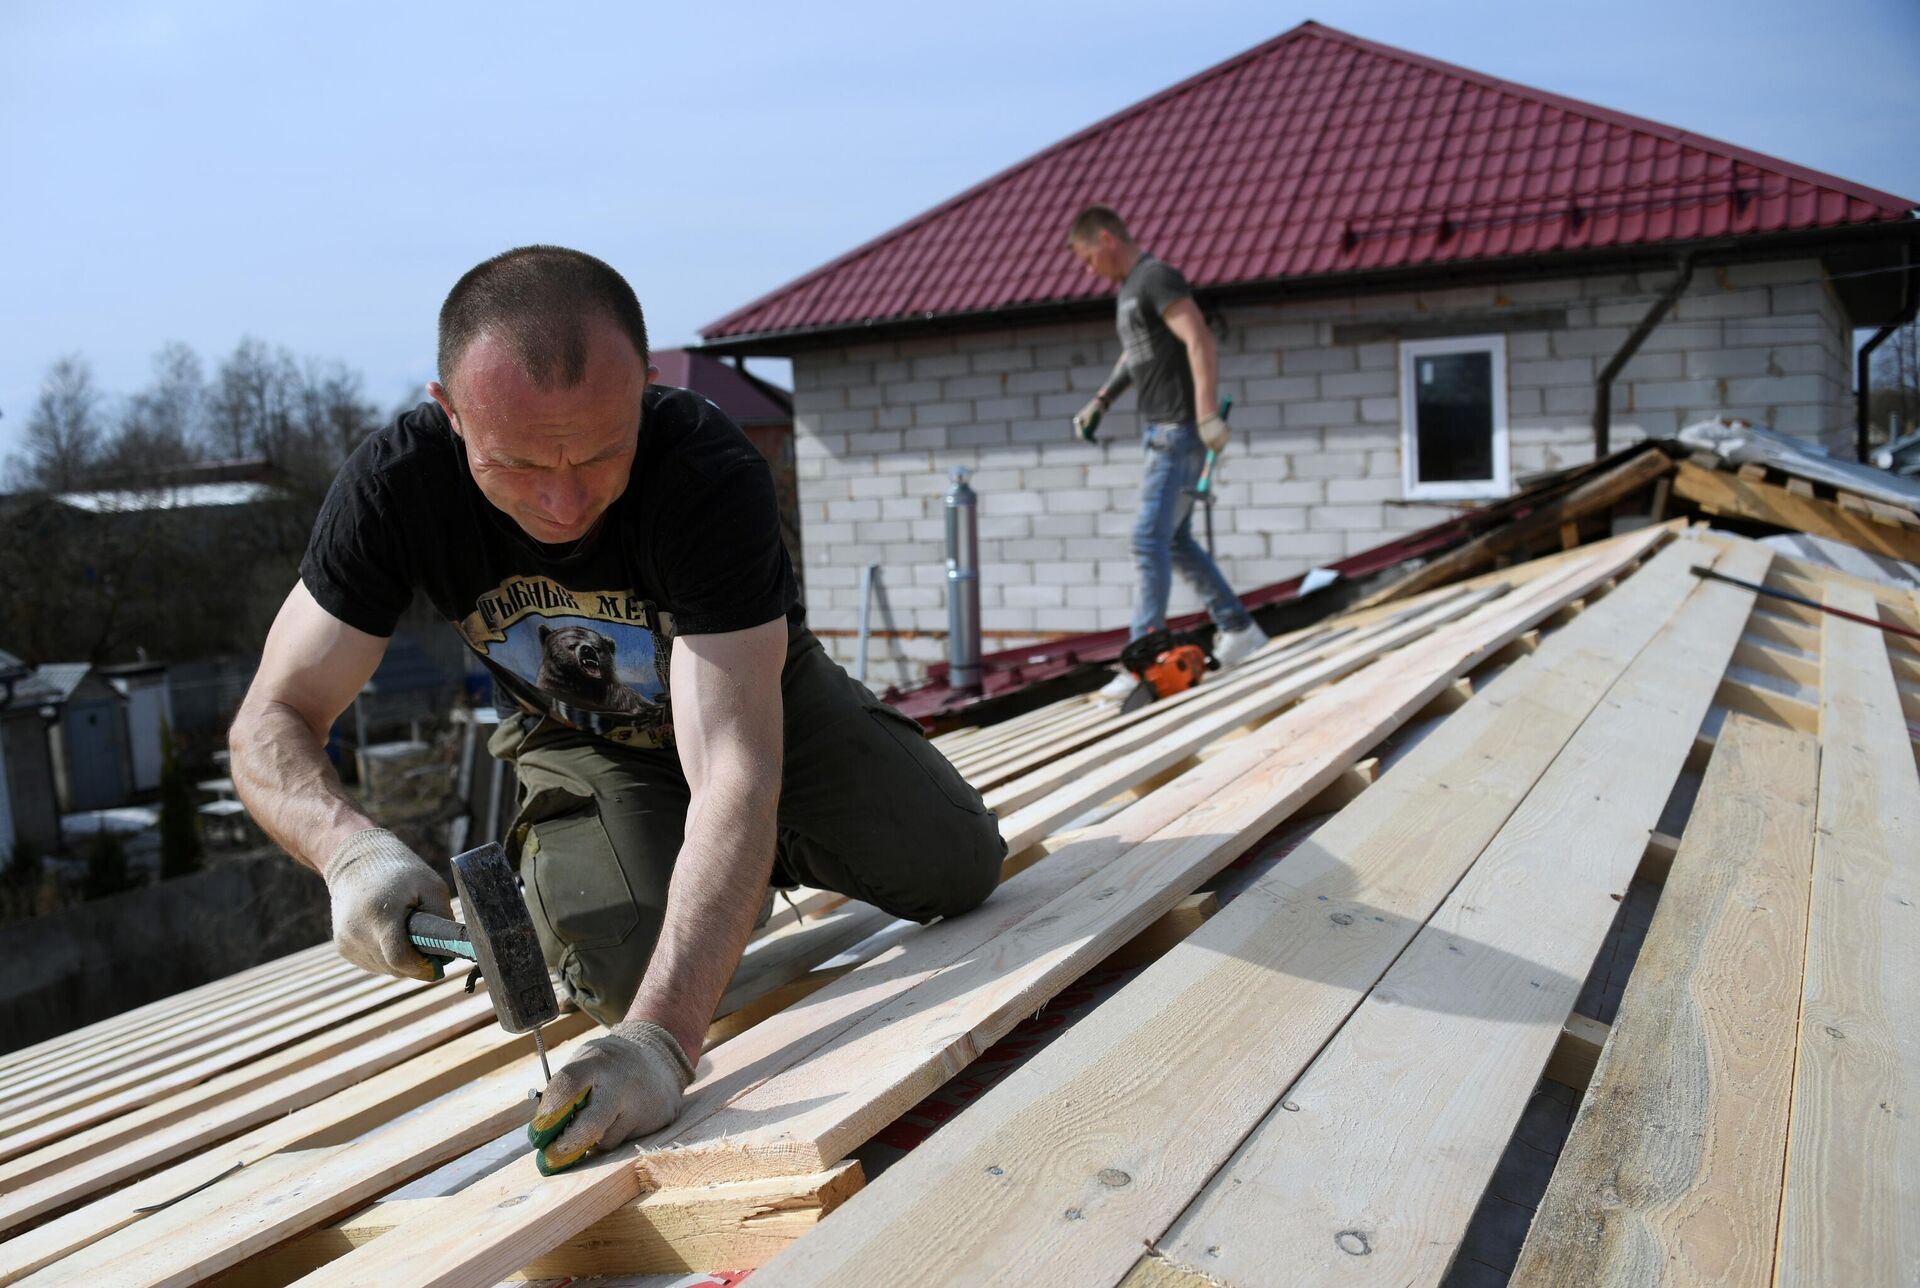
pixel 318 176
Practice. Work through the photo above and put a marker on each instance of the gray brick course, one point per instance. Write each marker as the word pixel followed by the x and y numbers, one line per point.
pixel 1315 462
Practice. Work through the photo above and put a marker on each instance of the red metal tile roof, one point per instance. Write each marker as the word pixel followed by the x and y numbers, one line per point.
pixel 1318 153
pixel 746 401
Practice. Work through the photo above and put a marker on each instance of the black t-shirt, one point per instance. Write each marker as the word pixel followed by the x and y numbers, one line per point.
pixel 1156 357
pixel 581 632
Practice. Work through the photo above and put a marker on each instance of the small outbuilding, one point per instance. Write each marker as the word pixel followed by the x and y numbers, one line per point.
pixel 87 735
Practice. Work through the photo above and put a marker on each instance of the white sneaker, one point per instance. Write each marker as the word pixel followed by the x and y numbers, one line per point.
pixel 1233 647
pixel 1120 687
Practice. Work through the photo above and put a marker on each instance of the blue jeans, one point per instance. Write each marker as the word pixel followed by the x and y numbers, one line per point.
pixel 1163 534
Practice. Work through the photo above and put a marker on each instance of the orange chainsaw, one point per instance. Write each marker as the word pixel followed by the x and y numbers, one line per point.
pixel 1166 664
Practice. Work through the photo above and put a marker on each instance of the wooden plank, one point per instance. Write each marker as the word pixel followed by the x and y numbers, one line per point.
pixel 170 1032
pixel 1036 804
pixel 1770 705
pixel 780 959
pixel 1577 1052
pixel 1196 1049
pixel 1216 708
pixel 1903 645
pixel 105 1098
pixel 1761 658
pixel 116 1030
pixel 877 1071
pixel 364 1103
pixel 498 1218
pixel 1772 628
pixel 1657 862
pixel 291 1075
pixel 1891 515
pixel 1106 722
pixel 1810 579
pixel 728 1070
pixel 143 1083
pixel 242 1213
pixel 1719 493
pixel 1342 791
pixel 1434 1068
pixel 1662 493
pixel 736 1022
pixel 739 1226
pixel 1674 1168
pixel 1592 497
pixel 1174 926
pixel 1852 1207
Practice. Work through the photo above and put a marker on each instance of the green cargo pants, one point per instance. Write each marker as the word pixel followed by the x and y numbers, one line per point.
pixel 868 808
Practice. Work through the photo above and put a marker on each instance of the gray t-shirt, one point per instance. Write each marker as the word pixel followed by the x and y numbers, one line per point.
pixel 1155 357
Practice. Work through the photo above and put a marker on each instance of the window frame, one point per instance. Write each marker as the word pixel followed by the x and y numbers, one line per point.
pixel 1501 484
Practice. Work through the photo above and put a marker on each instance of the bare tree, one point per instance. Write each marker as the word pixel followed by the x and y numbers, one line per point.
pixel 252 397
pixel 163 425
pixel 95 580
pixel 63 433
pixel 1894 406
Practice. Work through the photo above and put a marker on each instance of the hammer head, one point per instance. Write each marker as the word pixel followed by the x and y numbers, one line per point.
pixel 504 944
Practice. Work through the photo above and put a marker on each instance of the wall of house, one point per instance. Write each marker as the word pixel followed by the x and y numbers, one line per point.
pixel 1315 471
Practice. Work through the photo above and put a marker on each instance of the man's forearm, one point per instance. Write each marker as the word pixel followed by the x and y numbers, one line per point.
pixel 1118 381
pixel 1204 359
pixel 282 774
pixel 719 883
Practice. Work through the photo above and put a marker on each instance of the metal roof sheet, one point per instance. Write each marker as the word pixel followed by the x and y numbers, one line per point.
pixel 58 680
pixel 1317 154
pixel 187 496
pixel 745 400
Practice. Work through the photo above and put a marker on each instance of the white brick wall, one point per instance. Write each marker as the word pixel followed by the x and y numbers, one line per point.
pixel 1315 470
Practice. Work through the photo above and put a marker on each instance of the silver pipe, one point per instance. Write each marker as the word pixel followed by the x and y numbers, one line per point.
pixel 867 576
pixel 963 584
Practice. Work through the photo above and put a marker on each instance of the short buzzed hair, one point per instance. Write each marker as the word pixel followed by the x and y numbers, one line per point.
pixel 539 300
pixel 1094 220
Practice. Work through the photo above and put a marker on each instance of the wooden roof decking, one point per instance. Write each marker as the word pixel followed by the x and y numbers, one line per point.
pixel 1315 1083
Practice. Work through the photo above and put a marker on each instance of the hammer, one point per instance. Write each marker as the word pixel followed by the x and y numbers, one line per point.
pixel 498 938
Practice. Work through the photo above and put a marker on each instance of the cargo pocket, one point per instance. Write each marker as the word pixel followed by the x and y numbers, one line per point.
pixel 573 875
pixel 907 734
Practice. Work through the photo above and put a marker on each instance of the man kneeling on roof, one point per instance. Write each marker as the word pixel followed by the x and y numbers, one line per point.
pixel 610 549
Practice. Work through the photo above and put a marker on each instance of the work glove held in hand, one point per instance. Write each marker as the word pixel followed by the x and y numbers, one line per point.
pixel 1214 433
pixel 616 1087
pixel 375 882
pixel 1086 421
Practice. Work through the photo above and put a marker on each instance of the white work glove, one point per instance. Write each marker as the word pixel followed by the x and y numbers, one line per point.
pixel 1086 421
pixel 375 883
pixel 1214 433
pixel 616 1087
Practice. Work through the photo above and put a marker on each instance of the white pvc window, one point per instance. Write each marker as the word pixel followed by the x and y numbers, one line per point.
pixel 1453 418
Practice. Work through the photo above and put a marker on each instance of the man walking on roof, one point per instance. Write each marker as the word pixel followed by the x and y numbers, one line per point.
pixel 1167 349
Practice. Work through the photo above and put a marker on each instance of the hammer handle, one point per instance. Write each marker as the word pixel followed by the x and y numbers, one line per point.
pixel 439 936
